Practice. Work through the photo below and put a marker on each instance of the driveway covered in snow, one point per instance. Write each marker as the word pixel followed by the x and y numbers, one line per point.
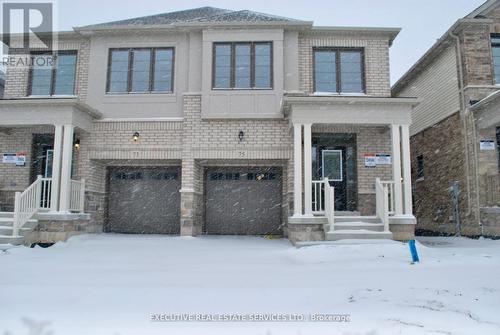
pixel 112 284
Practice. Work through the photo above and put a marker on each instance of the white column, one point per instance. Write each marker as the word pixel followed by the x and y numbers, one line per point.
pixel 297 170
pixel 307 171
pixel 406 159
pixel 396 168
pixel 67 156
pixel 56 168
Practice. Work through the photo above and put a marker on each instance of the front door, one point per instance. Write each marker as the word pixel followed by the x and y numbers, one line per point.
pixel 43 149
pixel 333 167
pixel 334 157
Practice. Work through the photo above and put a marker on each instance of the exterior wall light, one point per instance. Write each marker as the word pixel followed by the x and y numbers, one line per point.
pixel 241 135
pixel 135 137
pixel 77 144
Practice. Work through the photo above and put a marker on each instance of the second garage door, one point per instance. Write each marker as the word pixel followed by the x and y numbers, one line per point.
pixel 243 201
pixel 144 200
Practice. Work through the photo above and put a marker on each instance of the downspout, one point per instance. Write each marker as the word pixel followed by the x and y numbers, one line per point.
pixel 463 111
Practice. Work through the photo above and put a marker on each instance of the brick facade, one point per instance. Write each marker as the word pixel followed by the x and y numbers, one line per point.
pixel 194 144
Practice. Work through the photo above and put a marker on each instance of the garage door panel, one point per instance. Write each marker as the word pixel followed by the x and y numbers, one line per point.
pixel 243 201
pixel 144 200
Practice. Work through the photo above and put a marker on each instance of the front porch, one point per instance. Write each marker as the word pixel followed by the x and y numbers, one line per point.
pixel 53 196
pixel 339 190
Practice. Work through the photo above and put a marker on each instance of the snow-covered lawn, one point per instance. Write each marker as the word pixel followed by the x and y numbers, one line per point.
pixel 111 284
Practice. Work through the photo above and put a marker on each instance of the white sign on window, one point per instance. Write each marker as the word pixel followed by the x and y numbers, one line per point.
pixel 487 145
pixel 9 158
pixel 383 159
pixel 370 160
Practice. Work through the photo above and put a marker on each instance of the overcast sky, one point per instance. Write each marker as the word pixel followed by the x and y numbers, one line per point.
pixel 422 21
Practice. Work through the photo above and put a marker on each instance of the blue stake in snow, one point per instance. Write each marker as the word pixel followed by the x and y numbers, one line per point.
pixel 413 250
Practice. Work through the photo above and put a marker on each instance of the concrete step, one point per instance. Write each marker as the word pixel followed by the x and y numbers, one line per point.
pixel 358 225
pixel 347 213
pixel 367 219
pixel 9 239
pixel 7 230
pixel 7 222
pixel 6 214
pixel 358 234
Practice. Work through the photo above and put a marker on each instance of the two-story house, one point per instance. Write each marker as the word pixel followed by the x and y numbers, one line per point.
pixel 455 133
pixel 208 121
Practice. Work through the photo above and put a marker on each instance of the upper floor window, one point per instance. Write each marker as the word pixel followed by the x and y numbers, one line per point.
pixel 498 146
pixel 495 50
pixel 242 65
pixel 141 70
pixel 53 74
pixel 339 70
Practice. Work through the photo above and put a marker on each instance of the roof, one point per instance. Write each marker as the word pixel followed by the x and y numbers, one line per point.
pixel 475 17
pixel 488 100
pixel 482 10
pixel 196 15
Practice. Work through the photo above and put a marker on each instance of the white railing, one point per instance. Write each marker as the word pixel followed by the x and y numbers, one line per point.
pixel 29 202
pixel 37 197
pixel 329 204
pixel 392 201
pixel 318 196
pixel 382 202
pixel 77 196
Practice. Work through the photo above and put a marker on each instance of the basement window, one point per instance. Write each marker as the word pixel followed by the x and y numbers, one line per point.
pixel 420 167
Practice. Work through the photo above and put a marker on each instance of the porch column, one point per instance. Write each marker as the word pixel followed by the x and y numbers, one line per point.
pixel 297 169
pixel 67 156
pixel 56 168
pixel 307 170
pixel 406 158
pixel 396 168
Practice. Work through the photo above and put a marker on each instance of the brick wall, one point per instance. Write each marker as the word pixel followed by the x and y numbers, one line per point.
pixel 444 163
pixel 476 55
pixel 376 60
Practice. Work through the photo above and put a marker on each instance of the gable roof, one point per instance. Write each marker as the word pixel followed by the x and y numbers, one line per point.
pixel 196 15
pixel 475 17
pixel 482 10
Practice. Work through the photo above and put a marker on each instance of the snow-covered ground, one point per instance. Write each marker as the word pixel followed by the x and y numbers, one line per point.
pixel 111 284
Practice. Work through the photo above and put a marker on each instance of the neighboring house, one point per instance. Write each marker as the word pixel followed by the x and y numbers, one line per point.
pixel 211 121
pixel 456 128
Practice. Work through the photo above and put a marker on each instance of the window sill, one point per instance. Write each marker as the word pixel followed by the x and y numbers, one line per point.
pixel 51 97
pixel 335 94
pixel 242 89
pixel 127 94
pixel 418 180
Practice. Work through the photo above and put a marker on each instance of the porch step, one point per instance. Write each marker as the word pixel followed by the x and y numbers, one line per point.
pixel 8 222
pixel 9 239
pixel 359 225
pixel 7 230
pixel 357 218
pixel 6 214
pixel 358 234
